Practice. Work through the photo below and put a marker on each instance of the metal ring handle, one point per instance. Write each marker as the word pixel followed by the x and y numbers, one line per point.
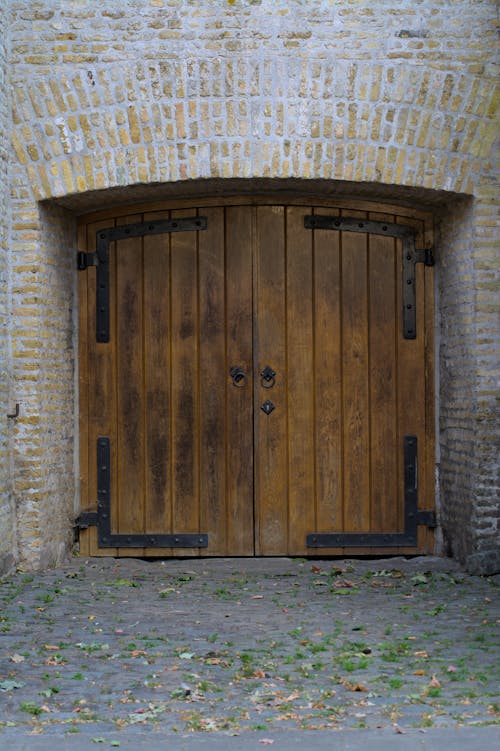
pixel 238 375
pixel 267 377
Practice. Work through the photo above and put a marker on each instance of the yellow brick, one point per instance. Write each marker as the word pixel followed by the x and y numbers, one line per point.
pixel 124 136
pixel 17 142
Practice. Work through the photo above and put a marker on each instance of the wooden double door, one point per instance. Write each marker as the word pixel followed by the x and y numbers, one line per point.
pixel 253 383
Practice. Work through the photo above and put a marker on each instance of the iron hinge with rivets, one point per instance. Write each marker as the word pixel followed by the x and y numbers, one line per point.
pixel 84 260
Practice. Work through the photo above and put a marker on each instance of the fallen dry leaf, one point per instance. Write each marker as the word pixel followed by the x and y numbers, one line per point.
pixel 419 672
pixel 434 682
pixel 259 674
pixel 17 658
pixel 344 584
pixel 352 686
pixel 266 741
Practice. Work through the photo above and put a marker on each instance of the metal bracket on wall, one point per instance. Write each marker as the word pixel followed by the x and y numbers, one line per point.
pixel 102 517
pixel 410 255
pixel 412 516
pixel 100 259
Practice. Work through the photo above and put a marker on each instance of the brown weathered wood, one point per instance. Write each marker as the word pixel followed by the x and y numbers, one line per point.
pixel 328 380
pixel 300 380
pixel 129 486
pixel 185 375
pixel 411 375
pixel 286 198
pixel 324 310
pixel 102 388
pixel 385 496
pixel 239 457
pixel 212 382
pixel 355 381
pixel 157 386
pixel 271 461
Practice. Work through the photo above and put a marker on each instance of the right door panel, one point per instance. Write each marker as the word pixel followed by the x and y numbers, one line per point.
pixel 329 456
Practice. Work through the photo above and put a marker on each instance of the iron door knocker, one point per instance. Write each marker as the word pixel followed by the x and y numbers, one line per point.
pixel 267 377
pixel 238 375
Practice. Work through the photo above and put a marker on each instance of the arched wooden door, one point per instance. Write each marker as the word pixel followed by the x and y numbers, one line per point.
pixel 256 380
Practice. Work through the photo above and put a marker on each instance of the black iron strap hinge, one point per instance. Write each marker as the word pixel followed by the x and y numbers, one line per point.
pixel 87 519
pixel 410 255
pixel 84 260
pixel 102 517
pixel 413 516
pixel 426 519
pixel 425 256
pixel 100 258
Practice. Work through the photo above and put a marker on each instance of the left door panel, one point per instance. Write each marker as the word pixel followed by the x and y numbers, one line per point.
pixel 161 392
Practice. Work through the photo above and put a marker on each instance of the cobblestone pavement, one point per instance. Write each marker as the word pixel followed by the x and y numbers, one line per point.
pixel 110 647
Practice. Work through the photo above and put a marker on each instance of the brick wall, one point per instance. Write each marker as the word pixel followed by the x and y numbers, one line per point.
pixel 7 517
pixel 113 99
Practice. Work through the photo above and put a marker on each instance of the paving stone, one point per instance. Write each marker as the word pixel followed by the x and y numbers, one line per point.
pixel 232 647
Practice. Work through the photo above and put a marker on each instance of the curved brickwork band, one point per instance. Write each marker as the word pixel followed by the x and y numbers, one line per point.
pixel 110 125
pixel 110 106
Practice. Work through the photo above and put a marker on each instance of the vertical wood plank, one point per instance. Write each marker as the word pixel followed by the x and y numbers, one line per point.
pixel 411 370
pixel 130 384
pixel 240 238
pixel 157 338
pixel 185 382
pixel 355 368
pixel 213 382
pixel 385 495
pixel 102 389
pixel 328 379
pixel 300 381
pixel 271 430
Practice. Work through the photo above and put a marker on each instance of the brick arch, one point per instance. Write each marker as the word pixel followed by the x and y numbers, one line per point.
pixel 154 122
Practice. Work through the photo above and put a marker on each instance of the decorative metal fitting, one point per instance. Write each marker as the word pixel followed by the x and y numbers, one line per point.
pixel 268 407
pixel 268 377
